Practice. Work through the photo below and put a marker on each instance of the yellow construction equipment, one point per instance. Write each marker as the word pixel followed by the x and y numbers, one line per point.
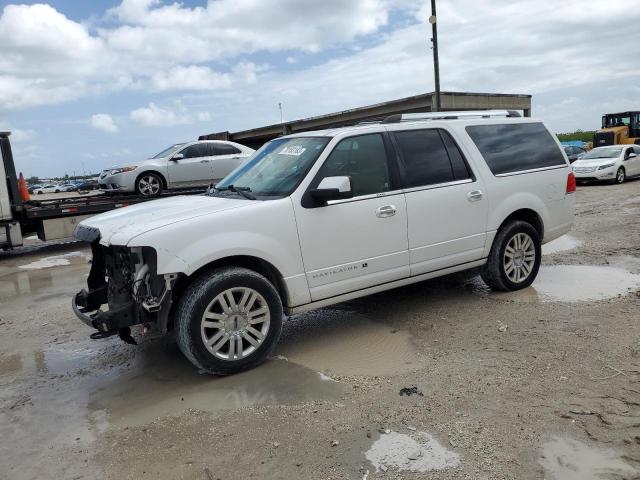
pixel 618 128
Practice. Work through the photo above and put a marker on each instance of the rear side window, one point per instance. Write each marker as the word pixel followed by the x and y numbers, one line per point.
pixel 510 148
pixel 224 149
pixel 430 157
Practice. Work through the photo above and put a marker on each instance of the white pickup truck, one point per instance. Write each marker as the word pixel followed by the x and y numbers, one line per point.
pixel 322 217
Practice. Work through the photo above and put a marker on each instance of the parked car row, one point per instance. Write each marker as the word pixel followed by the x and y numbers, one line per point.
pixel 70 186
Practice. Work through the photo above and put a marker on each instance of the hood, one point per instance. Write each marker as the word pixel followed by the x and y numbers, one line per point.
pixel 594 162
pixel 129 222
pixel 138 163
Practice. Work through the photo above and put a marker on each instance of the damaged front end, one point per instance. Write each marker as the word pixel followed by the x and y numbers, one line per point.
pixel 123 280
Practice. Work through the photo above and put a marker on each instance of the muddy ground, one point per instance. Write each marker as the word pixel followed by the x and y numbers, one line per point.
pixel 542 383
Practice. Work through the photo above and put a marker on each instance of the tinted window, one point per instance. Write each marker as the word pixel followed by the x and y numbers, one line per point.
pixel 196 150
pixel 224 149
pixel 458 163
pixel 425 157
pixel 364 159
pixel 516 147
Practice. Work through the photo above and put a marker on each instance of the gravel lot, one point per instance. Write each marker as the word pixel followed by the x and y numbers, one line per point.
pixel 439 380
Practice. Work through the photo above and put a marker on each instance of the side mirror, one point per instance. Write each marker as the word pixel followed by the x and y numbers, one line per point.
pixel 333 188
pixel 632 155
pixel 177 156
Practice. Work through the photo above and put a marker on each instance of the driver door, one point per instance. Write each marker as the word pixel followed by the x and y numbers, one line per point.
pixel 362 241
pixel 194 168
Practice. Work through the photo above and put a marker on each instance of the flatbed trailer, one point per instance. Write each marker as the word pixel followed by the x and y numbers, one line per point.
pixel 51 219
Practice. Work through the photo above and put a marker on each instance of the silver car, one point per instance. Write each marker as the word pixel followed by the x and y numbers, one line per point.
pixel 182 165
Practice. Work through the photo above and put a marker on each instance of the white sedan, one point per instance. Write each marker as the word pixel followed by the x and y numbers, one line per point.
pixel 614 164
pixel 48 189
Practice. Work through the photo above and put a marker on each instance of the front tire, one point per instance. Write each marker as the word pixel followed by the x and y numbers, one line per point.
pixel 621 176
pixel 514 259
pixel 228 320
pixel 149 185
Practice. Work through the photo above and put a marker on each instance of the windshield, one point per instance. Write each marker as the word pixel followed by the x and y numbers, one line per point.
pixel 603 152
pixel 616 121
pixel 169 151
pixel 278 167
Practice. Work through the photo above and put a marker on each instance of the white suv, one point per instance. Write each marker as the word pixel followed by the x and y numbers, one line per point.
pixel 322 217
pixel 182 165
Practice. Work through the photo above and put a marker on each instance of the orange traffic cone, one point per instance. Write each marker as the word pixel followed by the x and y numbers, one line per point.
pixel 24 191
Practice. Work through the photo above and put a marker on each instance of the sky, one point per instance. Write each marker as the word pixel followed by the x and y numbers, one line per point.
pixel 86 85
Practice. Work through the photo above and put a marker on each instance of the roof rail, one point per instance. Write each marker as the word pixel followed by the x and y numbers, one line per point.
pixel 412 117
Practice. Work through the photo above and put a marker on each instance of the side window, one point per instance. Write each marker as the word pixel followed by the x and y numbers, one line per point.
pixel 224 149
pixel 515 147
pixel 425 157
pixel 196 150
pixel 458 163
pixel 364 159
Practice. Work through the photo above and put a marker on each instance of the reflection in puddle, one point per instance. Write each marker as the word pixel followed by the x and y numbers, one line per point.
pixel 54 261
pixel 419 452
pixel 567 459
pixel 562 244
pixel 170 385
pixel 341 342
pixel 575 283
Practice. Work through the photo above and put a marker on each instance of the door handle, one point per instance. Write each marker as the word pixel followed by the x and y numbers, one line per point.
pixel 204 161
pixel 474 196
pixel 386 211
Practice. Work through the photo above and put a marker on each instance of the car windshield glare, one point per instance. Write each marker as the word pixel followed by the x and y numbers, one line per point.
pixel 168 151
pixel 603 152
pixel 278 167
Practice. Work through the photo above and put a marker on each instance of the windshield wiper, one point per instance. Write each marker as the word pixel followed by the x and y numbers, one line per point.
pixel 244 191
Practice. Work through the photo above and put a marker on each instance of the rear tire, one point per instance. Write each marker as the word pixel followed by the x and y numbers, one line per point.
pixel 514 259
pixel 228 320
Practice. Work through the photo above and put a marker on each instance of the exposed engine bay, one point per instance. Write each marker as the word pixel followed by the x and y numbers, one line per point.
pixel 124 280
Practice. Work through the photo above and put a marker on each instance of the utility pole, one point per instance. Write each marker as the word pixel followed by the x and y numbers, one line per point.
pixel 436 63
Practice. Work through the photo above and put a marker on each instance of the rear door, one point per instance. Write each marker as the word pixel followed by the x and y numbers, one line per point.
pixel 632 164
pixel 193 169
pixel 447 205
pixel 225 158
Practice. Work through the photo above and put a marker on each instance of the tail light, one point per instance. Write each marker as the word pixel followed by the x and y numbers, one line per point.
pixel 571 183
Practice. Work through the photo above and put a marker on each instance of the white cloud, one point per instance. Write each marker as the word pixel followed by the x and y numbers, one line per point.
pixel 154 116
pixel 104 122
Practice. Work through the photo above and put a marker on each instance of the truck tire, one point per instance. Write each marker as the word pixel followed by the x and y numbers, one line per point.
pixel 228 320
pixel 149 184
pixel 514 259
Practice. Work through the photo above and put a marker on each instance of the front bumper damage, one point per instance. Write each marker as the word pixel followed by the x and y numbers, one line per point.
pixel 124 280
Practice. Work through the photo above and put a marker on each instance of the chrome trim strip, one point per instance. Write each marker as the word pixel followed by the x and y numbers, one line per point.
pixel 366 197
pixel 532 170
pixel 438 185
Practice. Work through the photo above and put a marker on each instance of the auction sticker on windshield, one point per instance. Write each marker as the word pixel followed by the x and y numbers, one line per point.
pixel 295 150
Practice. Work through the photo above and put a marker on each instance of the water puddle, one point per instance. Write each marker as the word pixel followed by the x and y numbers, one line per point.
pixel 562 244
pixel 61 277
pixel 567 459
pixel 10 364
pixel 167 385
pixel 418 452
pixel 575 283
pixel 55 261
pixel 342 342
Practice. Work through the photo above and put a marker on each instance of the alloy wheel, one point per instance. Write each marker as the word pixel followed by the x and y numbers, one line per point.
pixel 149 185
pixel 519 257
pixel 235 323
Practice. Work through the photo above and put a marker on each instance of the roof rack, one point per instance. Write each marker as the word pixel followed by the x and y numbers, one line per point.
pixel 412 117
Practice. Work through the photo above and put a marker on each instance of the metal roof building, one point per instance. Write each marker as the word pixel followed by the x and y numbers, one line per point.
pixel 256 137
